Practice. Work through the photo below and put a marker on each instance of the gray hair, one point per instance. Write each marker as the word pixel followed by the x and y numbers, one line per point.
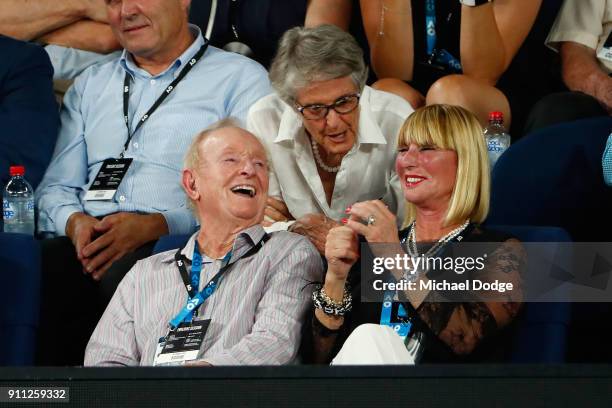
pixel 315 54
pixel 192 157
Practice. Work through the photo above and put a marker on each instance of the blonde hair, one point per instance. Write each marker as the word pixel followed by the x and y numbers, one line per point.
pixel 454 128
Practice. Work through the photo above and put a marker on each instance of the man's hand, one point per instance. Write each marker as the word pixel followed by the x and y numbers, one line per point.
pixel 315 227
pixel 80 230
pixel 120 234
pixel 96 10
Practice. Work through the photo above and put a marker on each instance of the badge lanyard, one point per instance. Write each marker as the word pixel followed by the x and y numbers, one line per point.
pixel 440 56
pixel 159 101
pixel 196 299
pixel 403 325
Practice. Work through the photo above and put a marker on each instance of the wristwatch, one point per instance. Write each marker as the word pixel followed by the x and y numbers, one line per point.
pixel 474 3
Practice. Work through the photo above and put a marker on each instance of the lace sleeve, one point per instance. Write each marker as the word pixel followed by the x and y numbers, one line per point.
pixel 462 325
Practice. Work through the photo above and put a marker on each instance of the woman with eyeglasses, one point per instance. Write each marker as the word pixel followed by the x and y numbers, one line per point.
pixel 330 138
pixel 438 303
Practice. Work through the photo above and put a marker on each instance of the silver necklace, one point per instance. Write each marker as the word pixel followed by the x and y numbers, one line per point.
pixel 315 152
pixel 412 242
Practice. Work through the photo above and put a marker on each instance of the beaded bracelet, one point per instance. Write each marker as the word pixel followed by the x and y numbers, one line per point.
pixel 329 306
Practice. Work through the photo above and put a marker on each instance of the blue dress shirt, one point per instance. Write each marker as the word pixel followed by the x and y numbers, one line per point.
pixel 221 84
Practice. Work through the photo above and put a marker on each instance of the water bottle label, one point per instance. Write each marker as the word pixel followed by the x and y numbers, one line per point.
pixel 7 210
pixel 495 146
pixel 30 206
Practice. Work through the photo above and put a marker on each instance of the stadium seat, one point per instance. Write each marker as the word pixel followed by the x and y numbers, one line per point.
pixel 542 330
pixel 168 242
pixel 554 177
pixel 20 281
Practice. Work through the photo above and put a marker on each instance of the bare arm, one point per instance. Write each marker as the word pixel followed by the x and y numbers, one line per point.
pixel 85 35
pixel 581 72
pixel 492 34
pixel 388 26
pixel 336 12
pixel 30 19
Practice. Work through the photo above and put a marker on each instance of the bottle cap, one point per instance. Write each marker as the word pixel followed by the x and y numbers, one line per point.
pixel 16 170
pixel 496 116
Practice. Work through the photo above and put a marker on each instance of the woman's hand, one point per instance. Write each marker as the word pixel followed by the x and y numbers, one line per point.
pixel 383 225
pixel 341 252
pixel 381 230
pixel 315 227
pixel 276 210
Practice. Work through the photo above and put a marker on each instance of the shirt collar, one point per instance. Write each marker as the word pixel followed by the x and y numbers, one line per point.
pixel 129 65
pixel 244 241
pixel 367 132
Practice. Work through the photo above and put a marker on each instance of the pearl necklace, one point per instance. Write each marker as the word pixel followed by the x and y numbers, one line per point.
pixel 315 152
pixel 412 246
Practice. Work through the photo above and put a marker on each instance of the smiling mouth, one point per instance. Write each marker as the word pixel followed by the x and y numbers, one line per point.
pixel 244 190
pixel 412 181
pixel 339 137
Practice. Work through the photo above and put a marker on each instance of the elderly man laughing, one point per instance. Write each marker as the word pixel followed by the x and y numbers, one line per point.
pixel 233 295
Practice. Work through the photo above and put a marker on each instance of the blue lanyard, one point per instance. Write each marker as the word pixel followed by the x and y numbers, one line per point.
pixel 401 328
pixel 197 298
pixel 440 56
pixel 192 283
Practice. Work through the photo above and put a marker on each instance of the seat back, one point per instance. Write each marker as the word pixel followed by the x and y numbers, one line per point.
pixel 554 177
pixel 20 284
pixel 168 242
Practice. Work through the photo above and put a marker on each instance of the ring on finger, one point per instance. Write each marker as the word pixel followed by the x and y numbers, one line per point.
pixel 371 220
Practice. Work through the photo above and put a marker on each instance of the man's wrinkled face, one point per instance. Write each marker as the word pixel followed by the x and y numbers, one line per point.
pixel 147 27
pixel 232 177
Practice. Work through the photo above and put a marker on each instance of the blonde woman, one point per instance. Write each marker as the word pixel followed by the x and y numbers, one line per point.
pixel 443 168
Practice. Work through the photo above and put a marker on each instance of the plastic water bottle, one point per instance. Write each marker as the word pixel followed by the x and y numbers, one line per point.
pixel 18 203
pixel 496 137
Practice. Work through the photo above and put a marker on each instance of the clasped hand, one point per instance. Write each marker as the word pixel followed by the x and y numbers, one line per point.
pixel 342 246
pixel 99 243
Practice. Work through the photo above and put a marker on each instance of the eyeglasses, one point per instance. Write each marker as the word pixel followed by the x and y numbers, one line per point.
pixel 343 105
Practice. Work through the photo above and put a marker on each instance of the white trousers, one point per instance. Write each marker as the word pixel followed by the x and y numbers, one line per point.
pixel 373 344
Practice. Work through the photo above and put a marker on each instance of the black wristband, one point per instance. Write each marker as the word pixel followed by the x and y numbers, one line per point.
pixel 320 330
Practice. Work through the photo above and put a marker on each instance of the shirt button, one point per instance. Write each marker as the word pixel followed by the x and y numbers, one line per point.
pixel 122 198
pixel 135 145
pixel 153 82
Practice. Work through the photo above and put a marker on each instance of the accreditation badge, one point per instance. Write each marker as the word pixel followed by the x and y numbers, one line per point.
pixel 606 51
pixel 182 344
pixel 106 183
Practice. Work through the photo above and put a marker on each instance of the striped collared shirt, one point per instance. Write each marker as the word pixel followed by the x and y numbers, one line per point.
pixel 255 312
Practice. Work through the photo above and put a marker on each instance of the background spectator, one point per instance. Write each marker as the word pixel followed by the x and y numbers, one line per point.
pixel 581 34
pixel 331 138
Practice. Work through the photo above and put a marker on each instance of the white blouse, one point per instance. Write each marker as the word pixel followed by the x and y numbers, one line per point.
pixel 367 172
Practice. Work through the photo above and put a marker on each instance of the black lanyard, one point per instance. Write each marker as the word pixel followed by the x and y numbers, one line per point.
pixel 180 260
pixel 159 101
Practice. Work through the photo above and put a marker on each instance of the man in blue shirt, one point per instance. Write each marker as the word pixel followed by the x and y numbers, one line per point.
pixel 115 111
